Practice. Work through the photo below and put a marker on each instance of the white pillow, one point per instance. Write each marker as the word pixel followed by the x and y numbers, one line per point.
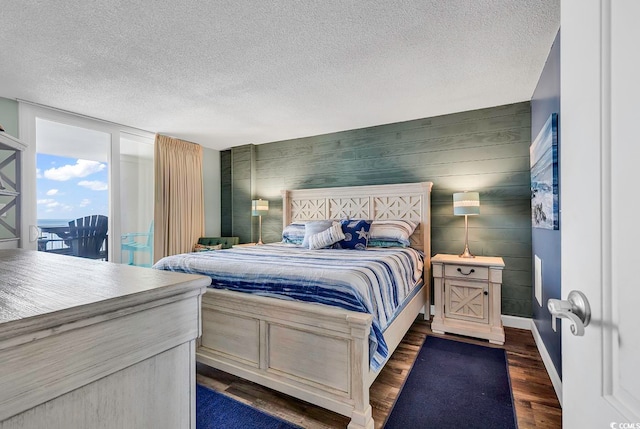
pixel 314 227
pixel 326 237
pixel 392 231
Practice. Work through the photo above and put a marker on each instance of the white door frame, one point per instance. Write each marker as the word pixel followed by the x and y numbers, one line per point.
pixel 27 114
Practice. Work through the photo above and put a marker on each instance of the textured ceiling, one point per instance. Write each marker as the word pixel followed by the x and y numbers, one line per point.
pixel 226 73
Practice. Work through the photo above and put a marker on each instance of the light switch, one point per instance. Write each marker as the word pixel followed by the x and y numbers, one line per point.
pixel 538 282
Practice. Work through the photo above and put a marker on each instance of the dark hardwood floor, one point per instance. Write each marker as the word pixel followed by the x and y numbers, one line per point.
pixel 534 398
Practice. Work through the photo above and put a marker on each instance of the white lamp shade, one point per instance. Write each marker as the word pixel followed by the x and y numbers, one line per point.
pixel 466 203
pixel 259 207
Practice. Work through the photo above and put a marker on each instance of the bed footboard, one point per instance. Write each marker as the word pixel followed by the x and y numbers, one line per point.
pixel 313 352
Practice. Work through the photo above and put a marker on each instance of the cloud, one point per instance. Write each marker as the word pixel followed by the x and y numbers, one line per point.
pixel 51 192
pixel 57 205
pixel 94 185
pixel 85 202
pixel 51 204
pixel 82 168
pixel 38 173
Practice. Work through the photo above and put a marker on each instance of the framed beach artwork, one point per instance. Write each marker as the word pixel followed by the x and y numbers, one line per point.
pixel 544 176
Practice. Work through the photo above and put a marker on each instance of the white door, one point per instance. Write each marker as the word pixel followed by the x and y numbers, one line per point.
pixel 599 172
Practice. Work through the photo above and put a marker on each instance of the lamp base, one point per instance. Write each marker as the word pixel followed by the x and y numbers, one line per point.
pixel 466 254
pixel 259 243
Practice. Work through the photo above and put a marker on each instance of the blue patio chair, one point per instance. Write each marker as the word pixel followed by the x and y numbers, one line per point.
pixel 87 236
pixel 138 242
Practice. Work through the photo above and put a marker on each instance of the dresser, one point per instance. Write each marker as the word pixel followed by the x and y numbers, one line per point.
pixel 87 343
pixel 467 294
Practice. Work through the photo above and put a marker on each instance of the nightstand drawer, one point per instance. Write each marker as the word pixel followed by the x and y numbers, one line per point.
pixel 466 272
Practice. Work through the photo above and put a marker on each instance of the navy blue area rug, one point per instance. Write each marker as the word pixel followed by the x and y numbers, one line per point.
pixel 217 411
pixel 455 385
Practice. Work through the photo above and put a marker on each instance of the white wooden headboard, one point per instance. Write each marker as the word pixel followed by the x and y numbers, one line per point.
pixel 409 201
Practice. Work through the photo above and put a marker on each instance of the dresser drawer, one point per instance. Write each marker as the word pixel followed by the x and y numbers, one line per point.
pixel 466 272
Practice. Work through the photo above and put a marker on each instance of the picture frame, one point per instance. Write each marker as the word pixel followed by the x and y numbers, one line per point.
pixel 543 154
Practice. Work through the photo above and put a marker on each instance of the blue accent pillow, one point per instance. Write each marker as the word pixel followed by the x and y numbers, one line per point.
pixel 383 243
pixel 356 234
pixel 293 233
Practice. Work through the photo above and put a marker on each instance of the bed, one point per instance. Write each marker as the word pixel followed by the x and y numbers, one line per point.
pixel 322 354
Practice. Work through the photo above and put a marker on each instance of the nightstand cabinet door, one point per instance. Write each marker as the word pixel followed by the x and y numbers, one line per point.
pixel 466 300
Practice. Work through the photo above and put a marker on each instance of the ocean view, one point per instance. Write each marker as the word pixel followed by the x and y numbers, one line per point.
pixel 53 222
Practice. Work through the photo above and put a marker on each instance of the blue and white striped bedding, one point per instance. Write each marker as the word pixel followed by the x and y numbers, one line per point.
pixel 376 281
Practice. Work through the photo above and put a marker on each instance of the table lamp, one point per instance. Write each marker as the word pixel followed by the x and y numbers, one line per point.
pixel 259 208
pixel 466 204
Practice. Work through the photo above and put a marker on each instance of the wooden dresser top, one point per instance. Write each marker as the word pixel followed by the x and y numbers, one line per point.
pixel 40 290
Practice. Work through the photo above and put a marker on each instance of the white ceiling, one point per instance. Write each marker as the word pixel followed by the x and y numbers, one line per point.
pixel 227 73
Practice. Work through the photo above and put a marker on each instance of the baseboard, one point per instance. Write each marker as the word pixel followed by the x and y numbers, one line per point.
pixel 548 363
pixel 517 322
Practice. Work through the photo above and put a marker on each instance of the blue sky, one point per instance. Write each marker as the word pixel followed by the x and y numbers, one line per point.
pixel 69 188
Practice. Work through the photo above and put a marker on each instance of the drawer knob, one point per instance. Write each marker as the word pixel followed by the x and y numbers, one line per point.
pixel 486 292
pixel 466 274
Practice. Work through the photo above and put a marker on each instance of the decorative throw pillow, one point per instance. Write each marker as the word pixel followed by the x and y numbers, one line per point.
pixel 392 231
pixel 314 227
pixel 293 233
pixel 205 248
pixel 383 243
pixel 327 237
pixel 356 234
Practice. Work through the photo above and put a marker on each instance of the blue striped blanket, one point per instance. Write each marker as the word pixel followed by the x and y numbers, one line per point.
pixel 376 281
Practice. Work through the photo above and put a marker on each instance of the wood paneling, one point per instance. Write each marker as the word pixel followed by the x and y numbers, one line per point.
pixel 226 204
pixel 483 150
pixel 533 395
pixel 242 172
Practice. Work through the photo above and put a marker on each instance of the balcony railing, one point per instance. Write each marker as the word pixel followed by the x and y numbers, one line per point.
pixel 65 240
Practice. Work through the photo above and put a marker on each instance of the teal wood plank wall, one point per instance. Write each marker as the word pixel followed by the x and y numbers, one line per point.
pixel 483 150
pixel 226 205
pixel 241 161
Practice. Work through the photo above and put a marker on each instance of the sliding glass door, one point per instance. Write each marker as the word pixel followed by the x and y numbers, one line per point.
pixel 136 199
pixel 95 174
pixel 72 174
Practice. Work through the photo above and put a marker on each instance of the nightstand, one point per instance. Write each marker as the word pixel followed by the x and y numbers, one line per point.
pixel 467 296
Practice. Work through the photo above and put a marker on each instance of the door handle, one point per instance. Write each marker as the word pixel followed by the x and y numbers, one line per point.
pixel 34 233
pixel 575 308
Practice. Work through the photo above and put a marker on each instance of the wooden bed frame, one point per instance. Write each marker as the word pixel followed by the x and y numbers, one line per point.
pixel 316 353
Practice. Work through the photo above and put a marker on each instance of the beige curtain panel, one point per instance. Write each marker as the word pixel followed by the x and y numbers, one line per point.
pixel 179 196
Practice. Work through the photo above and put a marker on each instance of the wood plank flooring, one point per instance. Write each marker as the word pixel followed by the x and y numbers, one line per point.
pixel 534 397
